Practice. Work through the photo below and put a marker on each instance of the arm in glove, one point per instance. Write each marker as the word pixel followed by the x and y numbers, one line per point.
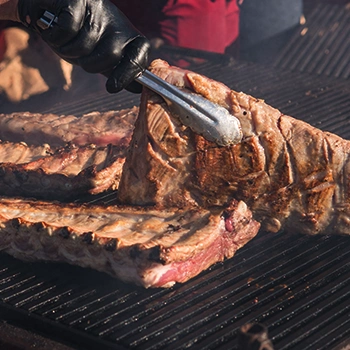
pixel 93 34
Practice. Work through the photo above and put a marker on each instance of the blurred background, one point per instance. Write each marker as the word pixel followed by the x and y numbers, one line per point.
pixel 31 75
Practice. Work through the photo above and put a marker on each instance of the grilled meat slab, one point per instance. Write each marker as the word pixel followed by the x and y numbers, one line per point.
pixel 66 156
pixel 289 173
pixel 185 199
pixel 64 174
pixel 148 247
pixel 101 129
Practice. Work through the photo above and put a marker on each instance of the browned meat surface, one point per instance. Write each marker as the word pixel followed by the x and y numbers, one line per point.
pixel 67 173
pixel 67 157
pixel 147 247
pixel 289 173
pixel 101 129
pixel 186 199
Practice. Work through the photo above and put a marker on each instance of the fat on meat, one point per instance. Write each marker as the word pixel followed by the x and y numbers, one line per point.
pixel 101 129
pixel 48 156
pixel 65 173
pixel 144 246
pixel 292 175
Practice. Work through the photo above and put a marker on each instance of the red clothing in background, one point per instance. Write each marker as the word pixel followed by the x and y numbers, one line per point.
pixel 205 24
pixel 210 25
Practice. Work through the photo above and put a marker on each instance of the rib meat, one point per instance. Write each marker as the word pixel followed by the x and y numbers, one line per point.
pixel 185 199
pixel 147 247
pixel 101 129
pixel 150 247
pixel 66 156
pixel 20 153
pixel 66 173
pixel 289 173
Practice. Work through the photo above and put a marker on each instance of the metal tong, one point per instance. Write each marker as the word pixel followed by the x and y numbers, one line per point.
pixel 204 117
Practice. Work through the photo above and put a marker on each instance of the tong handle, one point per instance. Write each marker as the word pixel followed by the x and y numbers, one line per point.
pixel 171 93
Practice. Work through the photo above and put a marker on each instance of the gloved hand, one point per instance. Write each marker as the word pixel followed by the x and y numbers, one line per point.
pixel 93 34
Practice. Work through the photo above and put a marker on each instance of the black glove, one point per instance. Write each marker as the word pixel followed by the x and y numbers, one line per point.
pixel 93 34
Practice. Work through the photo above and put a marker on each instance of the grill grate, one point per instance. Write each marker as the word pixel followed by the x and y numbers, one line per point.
pixel 297 285
pixel 322 45
pixel 99 100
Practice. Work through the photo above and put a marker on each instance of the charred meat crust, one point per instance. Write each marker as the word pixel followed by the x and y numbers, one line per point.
pixel 290 174
pixel 67 173
pixel 89 158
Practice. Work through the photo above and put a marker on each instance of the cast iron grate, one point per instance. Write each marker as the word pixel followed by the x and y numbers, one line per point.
pixel 321 46
pixel 95 101
pixel 298 286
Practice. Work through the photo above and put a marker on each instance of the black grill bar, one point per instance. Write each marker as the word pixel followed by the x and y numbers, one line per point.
pixel 320 46
pixel 277 280
pixel 98 101
pixel 276 288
